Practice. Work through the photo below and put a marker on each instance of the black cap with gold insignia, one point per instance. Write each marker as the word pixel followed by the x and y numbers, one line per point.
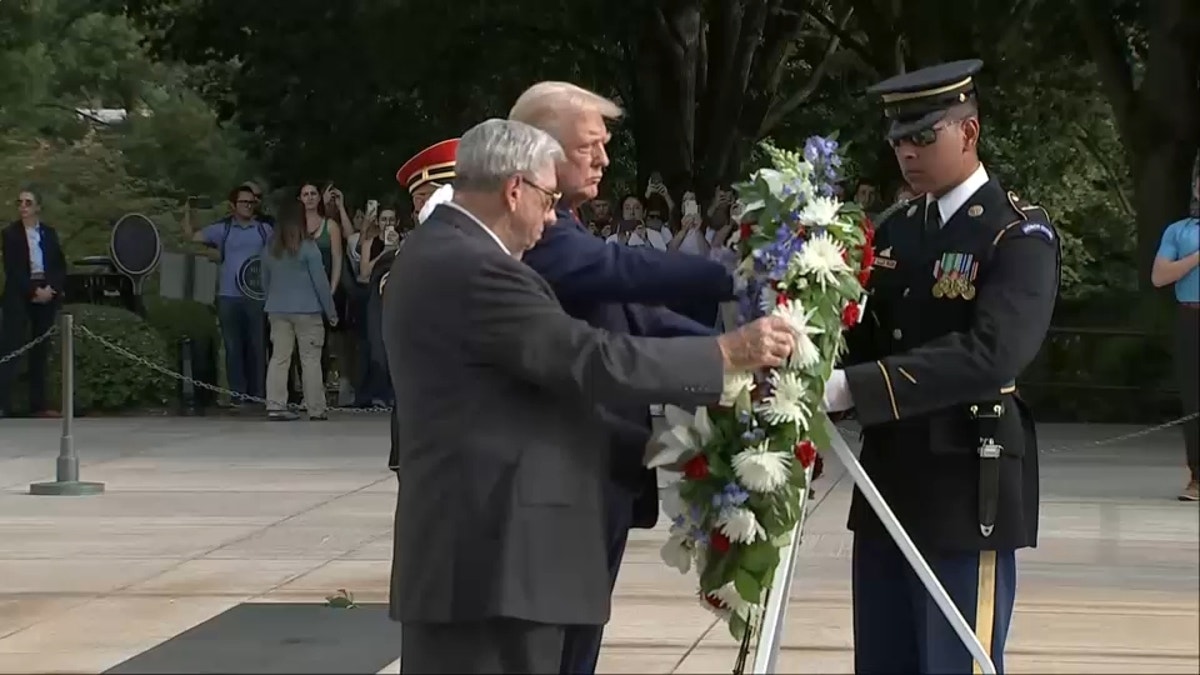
pixel 916 101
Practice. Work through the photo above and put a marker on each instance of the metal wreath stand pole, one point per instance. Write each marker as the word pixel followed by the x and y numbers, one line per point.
pixel 767 650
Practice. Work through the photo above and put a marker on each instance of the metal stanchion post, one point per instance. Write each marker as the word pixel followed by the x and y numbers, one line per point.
pixel 67 481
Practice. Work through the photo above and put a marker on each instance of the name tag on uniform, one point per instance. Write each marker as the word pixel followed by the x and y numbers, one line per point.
pixel 884 259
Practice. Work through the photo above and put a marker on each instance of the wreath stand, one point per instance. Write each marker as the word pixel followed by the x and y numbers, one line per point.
pixel 770 632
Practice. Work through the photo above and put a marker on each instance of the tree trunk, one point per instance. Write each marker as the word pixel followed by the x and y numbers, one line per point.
pixel 1159 121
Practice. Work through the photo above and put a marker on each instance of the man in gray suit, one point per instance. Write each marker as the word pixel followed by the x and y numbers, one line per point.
pixel 499 540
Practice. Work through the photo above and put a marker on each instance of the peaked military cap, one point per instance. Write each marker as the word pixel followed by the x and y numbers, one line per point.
pixel 434 164
pixel 918 100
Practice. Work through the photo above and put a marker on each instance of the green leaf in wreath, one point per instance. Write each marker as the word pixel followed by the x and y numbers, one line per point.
pixel 737 627
pixel 818 432
pixel 760 557
pixel 720 570
pixel 748 586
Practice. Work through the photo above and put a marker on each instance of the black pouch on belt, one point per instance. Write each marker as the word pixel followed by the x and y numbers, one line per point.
pixel 987 420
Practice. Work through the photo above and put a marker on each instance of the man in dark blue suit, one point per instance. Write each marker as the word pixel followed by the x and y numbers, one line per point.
pixel 619 288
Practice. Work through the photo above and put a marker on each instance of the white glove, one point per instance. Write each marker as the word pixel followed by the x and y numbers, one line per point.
pixel 837 393
pixel 440 196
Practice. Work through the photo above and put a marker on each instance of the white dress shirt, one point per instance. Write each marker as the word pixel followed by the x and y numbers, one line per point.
pixel 480 223
pixel 33 237
pixel 837 390
pixel 949 203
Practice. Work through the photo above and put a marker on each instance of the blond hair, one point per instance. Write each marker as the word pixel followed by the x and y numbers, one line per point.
pixel 544 104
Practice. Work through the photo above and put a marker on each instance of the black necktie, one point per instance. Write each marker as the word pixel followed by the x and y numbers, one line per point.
pixel 933 218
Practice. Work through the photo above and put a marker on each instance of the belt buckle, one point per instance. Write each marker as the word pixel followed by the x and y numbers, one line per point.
pixel 989 448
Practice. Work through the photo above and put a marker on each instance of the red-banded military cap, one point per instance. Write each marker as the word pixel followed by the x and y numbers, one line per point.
pixel 434 164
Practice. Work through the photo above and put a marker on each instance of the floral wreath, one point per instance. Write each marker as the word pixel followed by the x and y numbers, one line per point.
pixel 745 463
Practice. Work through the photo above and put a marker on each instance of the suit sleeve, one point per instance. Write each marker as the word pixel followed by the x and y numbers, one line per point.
pixel 662 322
pixel 517 325
pixel 1012 314
pixel 14 282
pixel 580 266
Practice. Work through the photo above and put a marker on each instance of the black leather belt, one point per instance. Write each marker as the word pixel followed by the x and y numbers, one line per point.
pixel 987 417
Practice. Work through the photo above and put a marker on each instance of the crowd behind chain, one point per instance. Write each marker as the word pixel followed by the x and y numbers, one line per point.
pixel 318 253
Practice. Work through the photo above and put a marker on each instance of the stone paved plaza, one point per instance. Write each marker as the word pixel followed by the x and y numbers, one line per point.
pixel 218 540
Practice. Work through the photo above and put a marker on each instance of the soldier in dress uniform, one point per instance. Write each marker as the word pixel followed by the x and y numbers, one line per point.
pixel 423 174
pixel 962 290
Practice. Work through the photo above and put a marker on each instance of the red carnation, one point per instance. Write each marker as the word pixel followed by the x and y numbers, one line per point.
pixel 719 542
pixel 868 256
pixel 696 468
pixel 851 314
pixel 744 230
pixel 846 256
pixel 781 300
pixel 806 452
pixel 713 601
pixel 868 229
pixel 864 275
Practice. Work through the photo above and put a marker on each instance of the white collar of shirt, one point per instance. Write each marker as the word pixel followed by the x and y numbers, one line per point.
pixel 953 200
pixel 480 223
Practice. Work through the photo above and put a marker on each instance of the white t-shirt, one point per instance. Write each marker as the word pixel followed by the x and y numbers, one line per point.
pixel 691 241
pixel 653 238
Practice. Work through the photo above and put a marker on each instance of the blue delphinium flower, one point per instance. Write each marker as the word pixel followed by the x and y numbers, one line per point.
pixel 748 301
pixel 731 496
pixel 774 258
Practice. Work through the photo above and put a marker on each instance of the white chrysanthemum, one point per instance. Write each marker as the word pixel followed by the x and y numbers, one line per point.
pixel 730 602
pixel 676 552
pixel 740 525
pixel 686 436
pixel 821 259
pixel 820 211
pixel 787 401
pixel 805 353
pixel 735 385
pixel 760 469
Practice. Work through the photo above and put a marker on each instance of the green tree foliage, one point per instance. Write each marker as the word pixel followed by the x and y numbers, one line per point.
pixel 65 65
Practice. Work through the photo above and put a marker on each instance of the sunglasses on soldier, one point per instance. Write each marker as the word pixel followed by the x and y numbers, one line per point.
pixel 924 137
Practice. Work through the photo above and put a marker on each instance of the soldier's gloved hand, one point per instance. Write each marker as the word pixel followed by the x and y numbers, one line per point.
pixel 837 393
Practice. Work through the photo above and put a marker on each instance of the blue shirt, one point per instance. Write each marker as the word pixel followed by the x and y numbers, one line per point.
pixel 1182 239
pixel 37 257
pixel 245 242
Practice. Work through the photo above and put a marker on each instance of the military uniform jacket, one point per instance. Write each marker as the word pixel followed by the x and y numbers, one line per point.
pixel 379 277
pixel 952 319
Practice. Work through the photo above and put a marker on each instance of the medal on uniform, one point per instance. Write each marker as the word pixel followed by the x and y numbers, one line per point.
pixel 939 276
pixel 969 284
pixel 953 277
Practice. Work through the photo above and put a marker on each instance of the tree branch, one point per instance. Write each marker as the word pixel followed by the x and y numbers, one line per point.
pixel 1116 77
pixel 1110 172
pixel 781 110
pixel 845 36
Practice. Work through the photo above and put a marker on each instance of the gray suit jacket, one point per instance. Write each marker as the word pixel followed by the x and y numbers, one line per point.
pixel 501 455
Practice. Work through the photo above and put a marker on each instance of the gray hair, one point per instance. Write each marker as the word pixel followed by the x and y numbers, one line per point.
pixel 493 151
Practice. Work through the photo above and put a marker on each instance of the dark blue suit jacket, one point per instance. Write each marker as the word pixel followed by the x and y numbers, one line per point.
pixel 622 289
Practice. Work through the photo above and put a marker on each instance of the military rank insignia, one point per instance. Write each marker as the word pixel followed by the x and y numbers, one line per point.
pixel 954 276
